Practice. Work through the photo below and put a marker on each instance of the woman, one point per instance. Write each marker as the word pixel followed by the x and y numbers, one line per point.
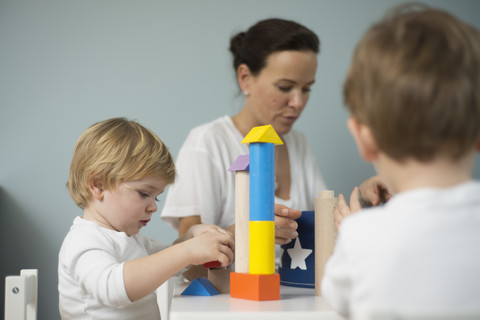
pixel 275 62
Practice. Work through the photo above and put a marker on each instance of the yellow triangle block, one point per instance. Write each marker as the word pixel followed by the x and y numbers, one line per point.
pixel 265 134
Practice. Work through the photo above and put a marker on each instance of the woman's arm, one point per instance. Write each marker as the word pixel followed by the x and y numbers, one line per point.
pixel 185 223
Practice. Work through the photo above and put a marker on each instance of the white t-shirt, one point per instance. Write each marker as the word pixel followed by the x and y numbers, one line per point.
pixel 205 187
pixel 90 273
pixel 418 253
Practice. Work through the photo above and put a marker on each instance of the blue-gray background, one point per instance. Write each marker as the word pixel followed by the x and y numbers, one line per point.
pixel 67 64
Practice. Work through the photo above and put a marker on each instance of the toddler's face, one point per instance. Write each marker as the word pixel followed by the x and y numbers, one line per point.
pixel 131 205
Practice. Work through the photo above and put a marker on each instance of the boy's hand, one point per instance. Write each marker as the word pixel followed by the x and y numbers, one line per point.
pixel 343 210
pixel 285 224
pixel 211 243
pixel 373 192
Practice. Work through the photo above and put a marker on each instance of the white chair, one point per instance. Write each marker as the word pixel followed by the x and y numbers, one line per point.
pixel 164 297
pixel 21 295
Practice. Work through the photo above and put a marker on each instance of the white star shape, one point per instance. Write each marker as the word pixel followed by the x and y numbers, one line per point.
pixel 298 255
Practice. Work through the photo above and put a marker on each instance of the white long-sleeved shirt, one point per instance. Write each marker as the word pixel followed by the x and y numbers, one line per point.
pixel 418 253
pixel 90 273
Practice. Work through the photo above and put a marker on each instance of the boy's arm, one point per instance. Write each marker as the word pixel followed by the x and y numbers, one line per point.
pixel 336 284
pixel 373 192
pixel 342 210
pixel 142 276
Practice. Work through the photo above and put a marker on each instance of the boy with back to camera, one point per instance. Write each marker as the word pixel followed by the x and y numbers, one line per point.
pixel 107 270
pixel 413 92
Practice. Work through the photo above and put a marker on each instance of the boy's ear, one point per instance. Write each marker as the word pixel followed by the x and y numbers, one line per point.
pixel 367 146
pixel 96 188
pixel 243 77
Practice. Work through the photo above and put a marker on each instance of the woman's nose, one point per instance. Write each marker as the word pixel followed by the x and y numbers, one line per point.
pixel 298 100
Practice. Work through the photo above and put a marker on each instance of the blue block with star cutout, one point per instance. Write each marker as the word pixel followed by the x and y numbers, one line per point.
pixel 298 257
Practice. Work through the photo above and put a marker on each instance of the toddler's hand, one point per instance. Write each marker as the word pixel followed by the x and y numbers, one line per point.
pixel 211 243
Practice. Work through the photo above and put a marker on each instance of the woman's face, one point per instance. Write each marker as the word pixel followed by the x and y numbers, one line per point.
pixel 279 93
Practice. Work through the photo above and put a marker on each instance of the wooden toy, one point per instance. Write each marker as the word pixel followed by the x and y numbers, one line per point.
pixel 257 287
pixel 297 268
pixel 220 278
pixel 212 264
pixel 240 166
pixel 200 287
pixel 261 282
pixel 325 233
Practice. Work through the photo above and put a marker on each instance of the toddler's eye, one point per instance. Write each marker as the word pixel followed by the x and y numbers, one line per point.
pixel 143 194
pixel 156 199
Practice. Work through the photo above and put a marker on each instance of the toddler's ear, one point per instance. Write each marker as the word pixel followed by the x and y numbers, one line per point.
pixel 96 188
pixel 366 144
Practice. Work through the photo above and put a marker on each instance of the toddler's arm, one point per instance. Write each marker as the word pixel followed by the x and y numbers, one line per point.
pixel 207 243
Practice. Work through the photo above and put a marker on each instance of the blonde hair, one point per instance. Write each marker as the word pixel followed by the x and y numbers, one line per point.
pixel 114 151
pixel 415 81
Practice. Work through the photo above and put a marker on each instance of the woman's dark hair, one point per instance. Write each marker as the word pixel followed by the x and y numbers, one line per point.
pixel 268 36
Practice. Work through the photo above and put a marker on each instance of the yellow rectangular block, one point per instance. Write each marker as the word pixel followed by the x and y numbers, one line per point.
pixel 262 247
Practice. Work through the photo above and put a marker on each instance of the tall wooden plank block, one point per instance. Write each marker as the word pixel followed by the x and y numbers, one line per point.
pixel 325 233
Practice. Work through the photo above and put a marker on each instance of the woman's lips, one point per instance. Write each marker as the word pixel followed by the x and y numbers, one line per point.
pixel 290 119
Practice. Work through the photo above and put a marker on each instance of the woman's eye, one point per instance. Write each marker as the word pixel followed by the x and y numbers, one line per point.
pixel 156 199
pixel 306 90
pixel 284 89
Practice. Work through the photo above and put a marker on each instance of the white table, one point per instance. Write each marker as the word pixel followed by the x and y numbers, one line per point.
pixel 294 303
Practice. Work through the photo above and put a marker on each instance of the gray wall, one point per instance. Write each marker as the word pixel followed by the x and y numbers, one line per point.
pixel 67 64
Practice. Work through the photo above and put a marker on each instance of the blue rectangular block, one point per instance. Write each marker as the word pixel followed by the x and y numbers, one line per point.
pixel 262 182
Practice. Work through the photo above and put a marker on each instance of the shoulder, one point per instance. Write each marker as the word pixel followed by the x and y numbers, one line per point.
pixel 83 236
pixel 215 136
pixel 217 129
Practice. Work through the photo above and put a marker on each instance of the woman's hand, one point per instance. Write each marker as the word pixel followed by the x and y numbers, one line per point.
pixel 285 224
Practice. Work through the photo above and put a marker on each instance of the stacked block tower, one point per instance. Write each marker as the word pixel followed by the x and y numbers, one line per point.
pixel 261 282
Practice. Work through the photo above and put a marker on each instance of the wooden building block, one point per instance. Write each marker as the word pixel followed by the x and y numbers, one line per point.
pixel 241 221
pixel 220 278
pixel 262 247
pixel 200 287
pixel 325 233
pixel 259 287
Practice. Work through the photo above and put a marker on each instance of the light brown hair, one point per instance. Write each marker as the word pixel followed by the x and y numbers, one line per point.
pixel 113 151
pixel 414 80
